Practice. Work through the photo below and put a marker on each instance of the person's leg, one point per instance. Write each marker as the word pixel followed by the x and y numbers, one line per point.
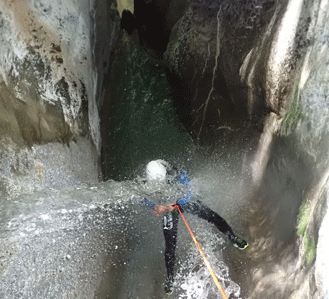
pixel 170 223
pixel 196 207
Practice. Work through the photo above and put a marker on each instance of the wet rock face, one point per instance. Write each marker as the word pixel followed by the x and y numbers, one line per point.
pixel 44 68
pixel 297 76
pixel 154 21
pixel 272 67
pixel 231 62
pixel 52 64
pixel 52 249
pixel 205 45
pixel 78 243
pixel 205 52
pixel 54 165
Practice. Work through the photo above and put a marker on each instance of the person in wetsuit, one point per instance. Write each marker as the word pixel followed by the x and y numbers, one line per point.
pixel 157 171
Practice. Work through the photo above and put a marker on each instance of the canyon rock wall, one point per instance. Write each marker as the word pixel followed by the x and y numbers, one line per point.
pixel 52 63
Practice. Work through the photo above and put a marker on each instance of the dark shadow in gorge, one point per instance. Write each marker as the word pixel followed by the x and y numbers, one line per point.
pixel 138 120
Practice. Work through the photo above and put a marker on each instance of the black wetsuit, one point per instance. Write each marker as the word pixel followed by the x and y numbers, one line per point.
pixel 170 223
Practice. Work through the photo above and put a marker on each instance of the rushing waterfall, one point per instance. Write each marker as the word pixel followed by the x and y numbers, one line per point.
pixel 235 93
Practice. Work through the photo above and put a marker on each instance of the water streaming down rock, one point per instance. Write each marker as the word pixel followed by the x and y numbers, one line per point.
pixel 95 242
pixel 299 163
pixel 79 242
pixel 73 239
pixel 58 243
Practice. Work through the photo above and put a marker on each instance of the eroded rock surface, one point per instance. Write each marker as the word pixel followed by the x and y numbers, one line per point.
pixel 53 59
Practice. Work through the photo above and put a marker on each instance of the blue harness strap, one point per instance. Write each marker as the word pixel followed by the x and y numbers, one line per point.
pixel 186 198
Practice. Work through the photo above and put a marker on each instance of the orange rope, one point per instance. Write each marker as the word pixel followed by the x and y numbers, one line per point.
pixel 204 258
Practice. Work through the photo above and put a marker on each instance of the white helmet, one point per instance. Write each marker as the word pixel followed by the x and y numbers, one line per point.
pixel 156 170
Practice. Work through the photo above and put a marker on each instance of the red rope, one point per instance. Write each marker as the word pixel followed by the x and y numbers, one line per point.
pixel 203 256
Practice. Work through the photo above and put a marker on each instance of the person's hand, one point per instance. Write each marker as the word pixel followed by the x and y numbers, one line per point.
pixel 171 207
pixel 159 208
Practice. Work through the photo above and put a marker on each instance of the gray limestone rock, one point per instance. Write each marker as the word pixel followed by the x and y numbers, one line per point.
pixel 206 50
pixel 53 58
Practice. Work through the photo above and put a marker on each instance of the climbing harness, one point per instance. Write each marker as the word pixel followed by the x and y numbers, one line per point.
pixel 203 256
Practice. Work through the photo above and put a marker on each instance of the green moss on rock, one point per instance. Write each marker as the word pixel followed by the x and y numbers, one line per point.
pixel 294 114
pixel 310 248
pixel 305 212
